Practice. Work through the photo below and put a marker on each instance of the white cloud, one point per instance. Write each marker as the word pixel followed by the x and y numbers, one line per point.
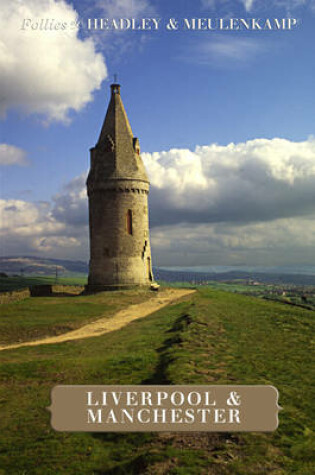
pixel 235 49
pixel 27 219
pixel 70 206
pixel 31 228
pixel 11 155
pixel 287 5
pixel 51 243
pixel 257 180
pixel 227 5
pixel 46 72
pixel 246 203
pixel 224 51
pixel 248 4
pixel 177 169
pixel 255 5
pixel 280 242
pixel 17 213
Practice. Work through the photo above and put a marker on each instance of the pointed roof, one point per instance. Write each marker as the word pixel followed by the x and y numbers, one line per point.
pixel 116 119
pixel 117 150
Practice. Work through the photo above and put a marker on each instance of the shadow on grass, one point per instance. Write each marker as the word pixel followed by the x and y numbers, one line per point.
pixel 132 467
pixel 140 446
pixel 134 446
pixel 160 375
pixel 65 294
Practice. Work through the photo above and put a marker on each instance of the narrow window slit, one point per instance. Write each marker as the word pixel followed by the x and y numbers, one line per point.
pixel 129 221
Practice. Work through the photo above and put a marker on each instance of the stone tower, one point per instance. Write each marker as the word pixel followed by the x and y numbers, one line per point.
pixel 118 188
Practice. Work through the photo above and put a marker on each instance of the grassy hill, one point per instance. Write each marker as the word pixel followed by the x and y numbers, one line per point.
pixel 213 338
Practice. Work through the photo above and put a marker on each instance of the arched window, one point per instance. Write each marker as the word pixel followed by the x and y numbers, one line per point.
pixel 129 221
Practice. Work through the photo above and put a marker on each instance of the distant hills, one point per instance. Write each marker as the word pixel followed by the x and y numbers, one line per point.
pixel 31 265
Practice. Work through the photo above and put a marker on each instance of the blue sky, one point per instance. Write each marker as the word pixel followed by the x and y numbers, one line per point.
pixel 188 96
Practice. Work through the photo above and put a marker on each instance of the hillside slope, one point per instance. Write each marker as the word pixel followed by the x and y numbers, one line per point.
pixel 213 338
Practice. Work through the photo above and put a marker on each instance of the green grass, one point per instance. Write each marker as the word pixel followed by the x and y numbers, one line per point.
pixel 36 317
pixel 217 285
pixel 213 338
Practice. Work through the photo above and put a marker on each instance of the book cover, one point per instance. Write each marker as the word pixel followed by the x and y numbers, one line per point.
pixel 157 231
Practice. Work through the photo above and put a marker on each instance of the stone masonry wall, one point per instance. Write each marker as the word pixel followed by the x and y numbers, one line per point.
pixel 118 257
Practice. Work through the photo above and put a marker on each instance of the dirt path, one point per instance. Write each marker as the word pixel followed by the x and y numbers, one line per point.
pixel 109 324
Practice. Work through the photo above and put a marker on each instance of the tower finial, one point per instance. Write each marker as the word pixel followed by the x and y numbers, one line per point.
pixel 115 88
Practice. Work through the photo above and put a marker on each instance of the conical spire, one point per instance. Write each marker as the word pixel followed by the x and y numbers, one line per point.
pixel 117 151
pixel 116 119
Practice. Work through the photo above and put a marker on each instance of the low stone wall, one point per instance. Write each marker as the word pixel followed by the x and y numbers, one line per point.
pixel 51 290
pixel 14 295
pixel 67 289
pixel 40 291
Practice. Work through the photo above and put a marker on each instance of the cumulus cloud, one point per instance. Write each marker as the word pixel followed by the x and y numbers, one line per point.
pixel 27 227
pixel 48 72
pixel 280 242
pixel 258 180
pixel 70 205
pixel 246 203
pixel 11 155
pixel 18 213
